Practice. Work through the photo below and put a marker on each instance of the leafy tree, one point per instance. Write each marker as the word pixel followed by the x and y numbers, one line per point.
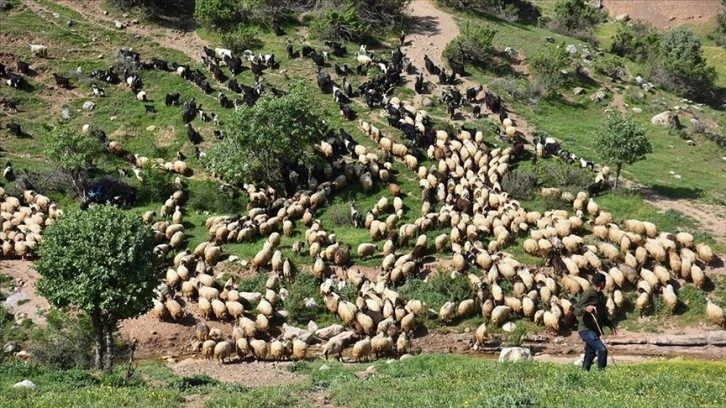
pixel 621 141
pixel 637 41
pixel 100 261
pixel 547 67
pixel 681 66
pixel 339 23
pixel 217 14
pixel 71 152
pixel 261 140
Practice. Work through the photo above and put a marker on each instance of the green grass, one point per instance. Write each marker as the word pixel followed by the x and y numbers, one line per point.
pixel 456 381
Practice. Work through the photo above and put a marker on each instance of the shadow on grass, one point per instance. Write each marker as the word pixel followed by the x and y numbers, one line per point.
pixel 678 192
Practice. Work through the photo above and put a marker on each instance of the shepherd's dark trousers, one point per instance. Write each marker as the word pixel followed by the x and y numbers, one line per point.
pixel 593 346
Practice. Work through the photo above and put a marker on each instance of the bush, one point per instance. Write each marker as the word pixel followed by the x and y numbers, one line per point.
pixel 156 187
pixel 473 45
pixel 187 383
pixel 208 196
pixel 339 215
pixel 636 41
pixel 577 19
pixel 521 185
pixel 510 10
pixel 240 39
pixel 439 289
pixel 217 14
pixel 67 342
pixel 547 68
pixel 255 283
pixel 719 33
pixel 611 66
pixel 568 177
pixel 341 23
pixel 303 286
pixel 680 67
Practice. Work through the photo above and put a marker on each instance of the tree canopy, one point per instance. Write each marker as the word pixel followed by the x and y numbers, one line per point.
pixel 262 139
pixel 100 261
pixel 621 141
pixel 70 150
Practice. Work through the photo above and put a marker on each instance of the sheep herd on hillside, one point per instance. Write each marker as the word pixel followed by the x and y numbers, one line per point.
pixel 464 211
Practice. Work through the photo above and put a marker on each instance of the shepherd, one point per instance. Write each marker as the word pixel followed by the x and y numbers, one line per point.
pixel 592 315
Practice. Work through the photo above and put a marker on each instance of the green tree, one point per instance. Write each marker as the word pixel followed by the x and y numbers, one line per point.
pixel 261 140
pixel 681 63
pixel 71 152
pixel 637 41
pixel 102 262
pixel 621 141
pixel 217 14
pixel 547 67
pixel 473 45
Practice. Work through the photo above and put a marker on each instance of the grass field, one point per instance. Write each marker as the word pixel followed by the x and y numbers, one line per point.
pixel 423 381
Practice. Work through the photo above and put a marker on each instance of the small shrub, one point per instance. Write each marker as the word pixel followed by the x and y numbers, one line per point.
pixel 339 215
pixel 67 341
pixel 255 283
pixel 340 23
pixel 194 381
pixel 636 41
pixel 547 68
pixel 610 66
pixel 240 39
pixel 303 286
pixel 70 378
pixel 156 187
pixel 521 185
pixel 577 19
pixel 473 45
pixel 556 173
pixel 207 196
pixel 515 337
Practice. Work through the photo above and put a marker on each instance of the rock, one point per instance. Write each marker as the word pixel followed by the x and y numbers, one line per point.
pixel 310 303
pixel 371 369
pixel 578 91
pixel 324 367
pixel 152 128
pixel 326 333
pixel 467 330
pixel 666 119
pixel 119 25
pixel 426 102
pixel 312 326
pixel 676 340
pixel 639 80
pixel 514 354
pixel 717 338
pixel 509 327
pixel 22 354
pixel 571 49
pixel 88 105
pixel 622 17
pixel 24 384
pixel 233 258
pixel 405 357
pixel 647 87
pixel 598 96
pixel 171 360
pixel 125 15
pixel 66 113
pixel 637 109
pixel 301 334
pixel 105 13
pixel 578 361
pixel 10 347
pixel 56 15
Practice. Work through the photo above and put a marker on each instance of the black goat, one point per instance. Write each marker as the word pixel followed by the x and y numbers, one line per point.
pixel 61 81
pixel 307 50
pixel 288 49
pixel 194 137
pixel 172 99
pixel 150 109
pixel 457 67
pixel 471 93
pixel 319 60
pixel 209 52
pixel 100 135
pixel 2 69
pixel 476 111
pixel 347 112
pixel 23 67
pixel 15 129
pixel 8 173
pixel 160 64
pixel 15 81
pixel 430 66
pixel 419 84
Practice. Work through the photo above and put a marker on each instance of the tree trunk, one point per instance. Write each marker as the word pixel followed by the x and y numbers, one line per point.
pixel 108 327
pixel 98 329
pixel 617 175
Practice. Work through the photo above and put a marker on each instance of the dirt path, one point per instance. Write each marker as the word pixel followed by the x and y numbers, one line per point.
pixel 711 218
pixel 22 299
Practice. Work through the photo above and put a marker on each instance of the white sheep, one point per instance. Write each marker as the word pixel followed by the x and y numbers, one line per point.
pixel 39 50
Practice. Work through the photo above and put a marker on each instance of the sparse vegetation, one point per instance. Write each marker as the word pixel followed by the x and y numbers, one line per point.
pixel 621 141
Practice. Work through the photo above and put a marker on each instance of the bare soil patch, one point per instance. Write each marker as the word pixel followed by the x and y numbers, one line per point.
pixel 665 14
pixel 22 299
pixel 711 218
pixel 249 374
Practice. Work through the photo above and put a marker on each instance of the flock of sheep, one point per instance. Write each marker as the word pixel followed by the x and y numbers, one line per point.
pixel 461 194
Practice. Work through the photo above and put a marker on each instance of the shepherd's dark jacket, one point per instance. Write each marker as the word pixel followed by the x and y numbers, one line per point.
pixel 585 321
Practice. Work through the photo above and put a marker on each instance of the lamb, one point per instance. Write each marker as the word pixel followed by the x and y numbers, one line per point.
pixel 381 344
pixel 333 347
pixel 260 349
pixel 208 349
pixel 715 313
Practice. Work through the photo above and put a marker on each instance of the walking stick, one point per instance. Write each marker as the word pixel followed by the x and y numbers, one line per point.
pixel 602 335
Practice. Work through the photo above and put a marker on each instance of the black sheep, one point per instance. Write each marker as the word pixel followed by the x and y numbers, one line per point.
pixel 307 50
pixel 2 70
pixel 419 85
pixel 209 52
pixel 288 49
pixel 23 67
pixel 150 109
pixel 194 137
pixel 159 64
pixel 15 129
pixel 62 82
